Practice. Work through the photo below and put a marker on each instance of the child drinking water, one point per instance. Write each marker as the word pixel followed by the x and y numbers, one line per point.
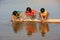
pixel 43 15
pixel 14 16
pixel 30 13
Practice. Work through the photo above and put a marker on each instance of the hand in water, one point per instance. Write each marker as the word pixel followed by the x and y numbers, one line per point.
pixel 43 21
pixel 21 20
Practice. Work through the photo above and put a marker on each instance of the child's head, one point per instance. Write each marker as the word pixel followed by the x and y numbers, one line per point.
pixel 14 13
pixel 18 12
pixel 28 9
pixel 42 10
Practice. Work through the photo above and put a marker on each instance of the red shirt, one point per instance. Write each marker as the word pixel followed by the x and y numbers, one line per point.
pixel 30 13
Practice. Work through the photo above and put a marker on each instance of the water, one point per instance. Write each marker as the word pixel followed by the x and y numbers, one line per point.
pixel 29 30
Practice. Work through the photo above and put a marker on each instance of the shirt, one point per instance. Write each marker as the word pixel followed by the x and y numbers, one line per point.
pixel 31 13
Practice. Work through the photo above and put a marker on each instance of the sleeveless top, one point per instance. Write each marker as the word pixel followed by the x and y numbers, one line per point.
pixel 44 14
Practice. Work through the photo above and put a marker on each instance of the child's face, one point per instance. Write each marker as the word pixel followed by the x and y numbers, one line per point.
pixel 27 11
pixel 16 14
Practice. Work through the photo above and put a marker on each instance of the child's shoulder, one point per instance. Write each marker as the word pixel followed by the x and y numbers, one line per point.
pixel 34 11
pixel 46 12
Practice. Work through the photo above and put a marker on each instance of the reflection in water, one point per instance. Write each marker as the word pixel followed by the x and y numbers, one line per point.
pixel 31 28
pixel 17 26
pixel 44 28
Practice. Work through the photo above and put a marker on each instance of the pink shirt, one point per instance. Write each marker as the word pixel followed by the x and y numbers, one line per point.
pixel 30 13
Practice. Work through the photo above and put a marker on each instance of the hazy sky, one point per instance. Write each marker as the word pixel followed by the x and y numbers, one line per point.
pixel 8 6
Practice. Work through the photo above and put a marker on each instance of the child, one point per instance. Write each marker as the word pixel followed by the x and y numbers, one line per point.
pixel 30 13
pixel 43 14
pixel 20 14
pixel 14 16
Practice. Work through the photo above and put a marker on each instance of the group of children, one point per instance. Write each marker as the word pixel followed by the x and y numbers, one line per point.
pixel 30 14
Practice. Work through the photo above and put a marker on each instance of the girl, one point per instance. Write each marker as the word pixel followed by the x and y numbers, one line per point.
pixel 30 13
pixel 14 16
pixel 43 15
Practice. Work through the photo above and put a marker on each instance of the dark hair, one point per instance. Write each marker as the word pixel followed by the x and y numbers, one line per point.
pixel 28 9
pixel 14 13
pixel 42 10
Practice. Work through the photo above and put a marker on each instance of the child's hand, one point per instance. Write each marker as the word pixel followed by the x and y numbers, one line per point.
pixel 21 20
pixel 43 21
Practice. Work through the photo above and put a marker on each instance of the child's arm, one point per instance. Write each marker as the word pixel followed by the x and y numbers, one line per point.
pixel 20 15
pixel 24 17
pixel 47 15
pixel 35 12
pixel 41 16
pixel 12 18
